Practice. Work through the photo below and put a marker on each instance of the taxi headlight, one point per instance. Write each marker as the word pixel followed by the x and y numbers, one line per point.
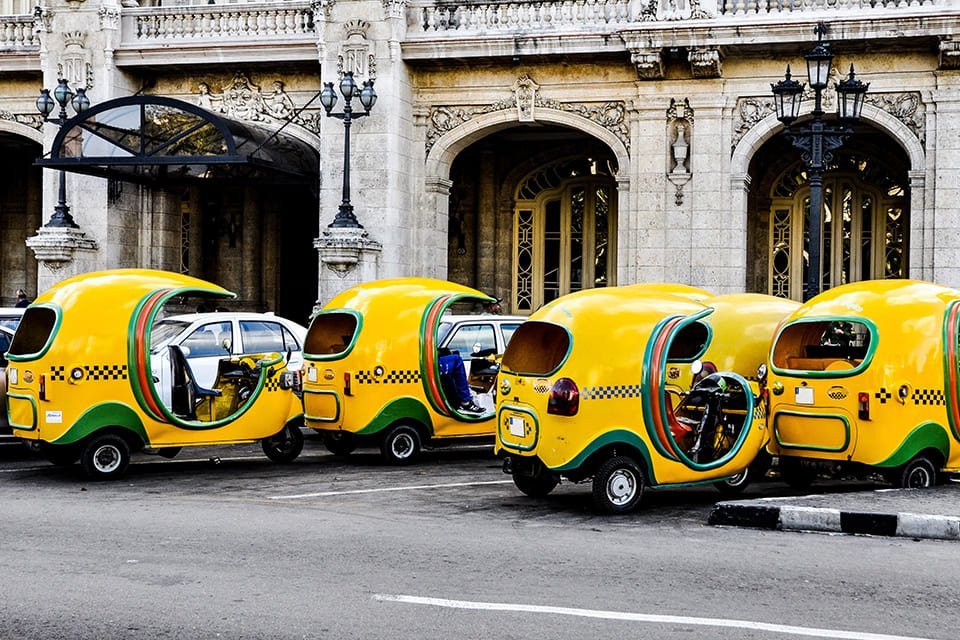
pixel 13 375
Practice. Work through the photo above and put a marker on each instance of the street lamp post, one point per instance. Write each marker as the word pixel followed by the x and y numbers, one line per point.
pixel 817 140
pixel 345 217
pixel 62 95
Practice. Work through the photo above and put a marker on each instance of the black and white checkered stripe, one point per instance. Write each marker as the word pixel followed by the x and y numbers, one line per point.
pixel 609 392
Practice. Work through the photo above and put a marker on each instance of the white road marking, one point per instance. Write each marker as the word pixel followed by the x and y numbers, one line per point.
pixel 323 494
pixel 642 617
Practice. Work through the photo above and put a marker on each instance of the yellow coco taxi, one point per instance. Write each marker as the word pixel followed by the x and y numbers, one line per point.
pixel 865 377
pixel 372 373
pixel 80 383
pixel 597 385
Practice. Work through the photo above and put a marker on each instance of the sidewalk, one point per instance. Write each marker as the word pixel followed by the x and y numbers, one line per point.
pixel 912 513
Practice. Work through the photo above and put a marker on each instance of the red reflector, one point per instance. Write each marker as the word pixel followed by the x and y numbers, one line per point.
pixel 863 405
pixel 43 387
pixel 346 384
pixel 564 398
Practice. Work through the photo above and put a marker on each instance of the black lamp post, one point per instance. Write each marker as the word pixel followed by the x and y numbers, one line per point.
pixel 818 140
pixel 368 97
pixel 62 95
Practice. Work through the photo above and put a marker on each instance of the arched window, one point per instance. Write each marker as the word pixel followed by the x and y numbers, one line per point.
pixel 865 226
pixel 565 231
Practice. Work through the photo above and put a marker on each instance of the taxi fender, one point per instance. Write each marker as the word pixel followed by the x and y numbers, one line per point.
pixel 108 414
pixel 396 410
pixel 608 440
pixel 928 435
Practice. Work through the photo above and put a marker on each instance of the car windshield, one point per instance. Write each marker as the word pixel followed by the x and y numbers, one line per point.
pixel 164 331
pixel 10 323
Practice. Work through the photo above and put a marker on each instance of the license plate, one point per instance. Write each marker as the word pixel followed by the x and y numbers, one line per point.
pixel 804 395
pixel 517 427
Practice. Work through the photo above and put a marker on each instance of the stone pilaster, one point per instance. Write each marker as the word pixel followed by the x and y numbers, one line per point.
pixel 62 252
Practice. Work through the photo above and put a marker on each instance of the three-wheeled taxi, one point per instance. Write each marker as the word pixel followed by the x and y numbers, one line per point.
pixel 865 375
pixel 611 384
pixel 80 384
pixel 372 371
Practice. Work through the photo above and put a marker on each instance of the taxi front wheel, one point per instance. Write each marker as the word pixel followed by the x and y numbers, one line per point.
pixel 284 446
pixel 618 485
pixel 401 445
pixel 105 457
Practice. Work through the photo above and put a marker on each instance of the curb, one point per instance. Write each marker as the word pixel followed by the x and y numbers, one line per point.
pixel 790 518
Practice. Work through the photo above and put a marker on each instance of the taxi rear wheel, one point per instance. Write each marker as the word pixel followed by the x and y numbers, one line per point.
pixel 339 445
pixel 401 445
pixel 618 485
pixel 919 473
pixel 105 457
pixel 536 486
pixel 735 484
pixel 284 446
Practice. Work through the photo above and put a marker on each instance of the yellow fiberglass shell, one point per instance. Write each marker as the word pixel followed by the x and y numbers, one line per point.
pixel 93 368
pixel 671 288
pixel 906 372
pixel 618 338
pixel 381 367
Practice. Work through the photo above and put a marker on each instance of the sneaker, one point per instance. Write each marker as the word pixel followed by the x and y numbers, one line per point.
pixel 472 407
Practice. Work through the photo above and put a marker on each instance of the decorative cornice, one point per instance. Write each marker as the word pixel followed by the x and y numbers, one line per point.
pixel 394 8
pixel 109 17
pixel 949 54
pixel 705 63
pixel 30 120
pixel 322 9
pixel 648 62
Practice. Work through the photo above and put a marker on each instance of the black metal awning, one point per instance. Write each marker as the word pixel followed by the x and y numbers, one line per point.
pixel 159 140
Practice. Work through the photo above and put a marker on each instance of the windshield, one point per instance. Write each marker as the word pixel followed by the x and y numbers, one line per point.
pixel 164 331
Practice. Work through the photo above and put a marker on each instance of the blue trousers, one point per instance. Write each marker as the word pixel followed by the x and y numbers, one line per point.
pixel 452 369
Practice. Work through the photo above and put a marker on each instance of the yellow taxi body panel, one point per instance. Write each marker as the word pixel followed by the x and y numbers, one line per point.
pixel 615 335
pixel 91 367
pixel 364 375
pixel 867 373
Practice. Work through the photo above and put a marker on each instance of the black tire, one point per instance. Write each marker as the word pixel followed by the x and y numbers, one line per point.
pixel 536 486
pixel 735 484
pixel 105 457
pixel 285 446
pixel 60 455
pixel 618 485
pixel 400 445
pixel 168 452
pixel 797 473
pixel 340 444
pixel 919 473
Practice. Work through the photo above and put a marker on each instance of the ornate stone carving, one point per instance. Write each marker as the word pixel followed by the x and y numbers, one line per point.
pixel 30 120
pixel 343 249
pixel 525 96
pixel 705 63
pixel 322 9
pixel 648 62
pixel 394 8
pixel 109 17
pixel 244 100
pixel 54 246
pixel 609 115
pixel 949 54
pixel 679 129
pixel 355 52
pixel 76 62
pixel 907 107
pixel 42 20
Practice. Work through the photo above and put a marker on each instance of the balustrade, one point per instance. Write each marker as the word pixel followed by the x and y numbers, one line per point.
pixel 16 32
pixel 744 7
pixel 218 22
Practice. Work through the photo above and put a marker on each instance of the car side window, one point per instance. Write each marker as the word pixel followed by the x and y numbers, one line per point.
pixel 4 347
pixel 467 337
pixel 262 337
pixel 507 331
pixel 208 340
pixel 290 342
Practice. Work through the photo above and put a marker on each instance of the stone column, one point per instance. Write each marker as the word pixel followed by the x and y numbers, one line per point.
pixel 252 282
pixel 644 246
pixel 486 228
pixel 946 151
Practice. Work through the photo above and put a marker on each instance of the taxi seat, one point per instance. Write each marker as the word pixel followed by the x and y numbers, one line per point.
pixel 186 394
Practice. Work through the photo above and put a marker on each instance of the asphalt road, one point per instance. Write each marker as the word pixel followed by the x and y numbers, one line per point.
pixel 447 549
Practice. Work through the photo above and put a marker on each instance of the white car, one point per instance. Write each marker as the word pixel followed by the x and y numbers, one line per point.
pixel 473 334
pixel 206 338
pixel 10 318
pixel 6 337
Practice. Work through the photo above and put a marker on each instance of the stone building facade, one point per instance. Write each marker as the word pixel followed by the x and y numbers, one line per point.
pixel 525 148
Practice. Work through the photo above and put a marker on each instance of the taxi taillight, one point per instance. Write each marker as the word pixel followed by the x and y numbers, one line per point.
pixel 347 391
pixel 43 387
pixel 564 398
pixel 863 405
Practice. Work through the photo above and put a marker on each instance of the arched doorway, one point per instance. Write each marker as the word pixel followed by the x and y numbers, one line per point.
pixel 866 216
pixel 533 215
pixel 20 215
